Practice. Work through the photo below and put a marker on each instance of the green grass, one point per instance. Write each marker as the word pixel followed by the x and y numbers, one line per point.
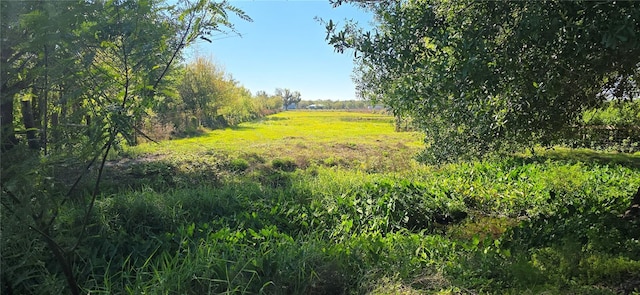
pixel 307 177
pixel 333 203
pixel 359 140
pixel 592 156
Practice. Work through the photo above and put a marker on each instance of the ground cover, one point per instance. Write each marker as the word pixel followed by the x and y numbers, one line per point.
pixel 304 204
pixel 353 139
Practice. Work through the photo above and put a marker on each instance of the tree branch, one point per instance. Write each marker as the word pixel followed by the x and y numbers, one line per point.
pixel 96 188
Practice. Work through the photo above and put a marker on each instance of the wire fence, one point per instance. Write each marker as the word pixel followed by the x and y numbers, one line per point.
pixel 619 138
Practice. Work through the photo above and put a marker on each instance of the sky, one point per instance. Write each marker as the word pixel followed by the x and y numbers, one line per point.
pixel 284 47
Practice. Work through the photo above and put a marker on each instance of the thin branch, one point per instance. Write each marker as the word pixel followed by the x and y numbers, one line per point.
pixel 181 44
pixel 86 169
pixel 96 188
pixel 127 79
pixel 59 253
pixel 143 134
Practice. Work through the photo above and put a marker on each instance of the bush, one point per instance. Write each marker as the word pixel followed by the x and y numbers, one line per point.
pixel 238 165
pixel 615 126
pixel 285 164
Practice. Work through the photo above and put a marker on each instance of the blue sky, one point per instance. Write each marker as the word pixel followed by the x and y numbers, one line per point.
pixel 285 47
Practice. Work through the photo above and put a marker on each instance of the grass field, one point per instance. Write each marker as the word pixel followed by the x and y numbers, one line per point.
pixel 309 202
pixel 351 139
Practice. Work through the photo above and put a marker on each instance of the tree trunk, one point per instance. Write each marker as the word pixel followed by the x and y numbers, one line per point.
pixel 44 107
pixel 55 133
pixel 87 119
pixel 29 125
pixel 9 139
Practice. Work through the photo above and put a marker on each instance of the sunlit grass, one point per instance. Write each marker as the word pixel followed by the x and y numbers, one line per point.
pixel 307 202
pixel 292 204
pixel 353 139
pixel 592 156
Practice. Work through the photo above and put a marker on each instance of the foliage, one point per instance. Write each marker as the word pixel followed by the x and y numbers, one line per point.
pixel 268 104
pixel 340 230
pixel 612 126
pixel 187 218
pixel 288 97
pixel 90 72
pixel 619 114
pixel 209 97
pixel 486 76
pixel 203 90
pixel 243 109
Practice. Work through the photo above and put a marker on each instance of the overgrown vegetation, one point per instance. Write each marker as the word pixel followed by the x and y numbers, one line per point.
pixel 319 202
pixel 616 125
pixel 85 75
pixel 207 98
pixel 220 219
pixel 483 77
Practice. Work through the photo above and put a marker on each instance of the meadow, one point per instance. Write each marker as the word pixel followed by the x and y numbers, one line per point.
pixel 312 202
pixel 308 138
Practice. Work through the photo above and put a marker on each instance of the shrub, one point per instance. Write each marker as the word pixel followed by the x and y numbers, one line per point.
pixel 238 165
pixel 284 164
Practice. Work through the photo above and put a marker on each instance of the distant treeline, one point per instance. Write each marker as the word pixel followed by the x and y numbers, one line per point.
pixel 327 104
pixel 205 96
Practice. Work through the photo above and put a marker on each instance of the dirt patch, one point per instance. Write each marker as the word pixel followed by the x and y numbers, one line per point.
pixel 124 163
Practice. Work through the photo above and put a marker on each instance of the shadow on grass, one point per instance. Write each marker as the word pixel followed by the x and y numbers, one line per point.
pixel 200 132
pixel 271 118
pixel 585 156
pixel 367 119
pixel 189 133
pixel 241 128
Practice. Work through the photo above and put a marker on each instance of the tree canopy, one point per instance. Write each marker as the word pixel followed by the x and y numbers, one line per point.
pixel 81 75
pixel 288 97
pixel 486 76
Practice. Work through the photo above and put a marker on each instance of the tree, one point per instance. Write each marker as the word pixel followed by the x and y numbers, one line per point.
pixel 262 93
pixel 288 97
pixel 268 104
pixel 27 55
pixel 241 106
pixel 486 76
pixel 97 67
pixel 204 89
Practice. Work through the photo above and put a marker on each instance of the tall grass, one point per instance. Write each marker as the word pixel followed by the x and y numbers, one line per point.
pixel 217 215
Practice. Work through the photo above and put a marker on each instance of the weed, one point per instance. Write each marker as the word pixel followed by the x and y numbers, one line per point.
pixel 238 165
pixel 284 206
pixel 284 164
